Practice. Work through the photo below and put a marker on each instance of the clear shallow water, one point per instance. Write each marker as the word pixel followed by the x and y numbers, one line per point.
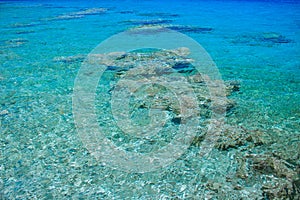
pixel 41 154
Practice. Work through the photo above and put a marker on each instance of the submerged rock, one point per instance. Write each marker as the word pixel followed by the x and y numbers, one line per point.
pixel 281 189
pixel 189 29
pixel 183 67
pixel 276 177
pixel 268 164
pixel 232 86
pixel 180 28
pixel 70 59
pixel 4 112
pixel 16 42
pixel 274 38
pixel 282 178
pixel 79 14
pixel 263 39
pixel 169 67
pixel 159 14
pixel 237 136
pixel 232 137
pixel 66 17
pixel 127 12
pixel 91 11
pixel 147 22
pixel 25 32
pixel 25 25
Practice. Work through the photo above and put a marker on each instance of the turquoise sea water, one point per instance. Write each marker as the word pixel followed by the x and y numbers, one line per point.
pixel 254 43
